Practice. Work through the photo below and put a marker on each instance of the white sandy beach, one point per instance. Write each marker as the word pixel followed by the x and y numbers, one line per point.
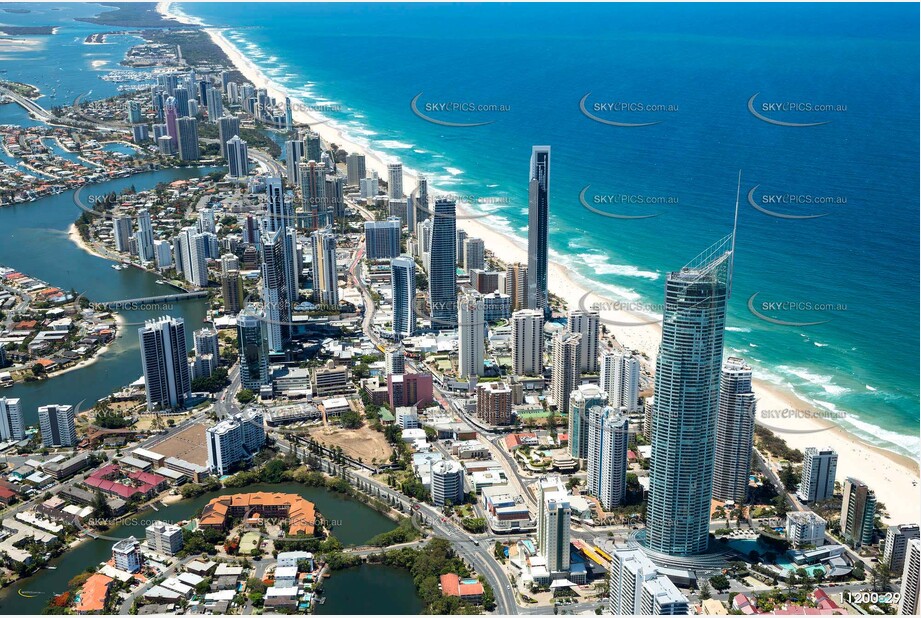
pixel 892 476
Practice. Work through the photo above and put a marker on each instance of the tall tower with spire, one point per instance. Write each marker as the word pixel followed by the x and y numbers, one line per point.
pixel 686 404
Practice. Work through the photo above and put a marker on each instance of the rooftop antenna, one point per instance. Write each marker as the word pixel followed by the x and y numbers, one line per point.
pixel 732 246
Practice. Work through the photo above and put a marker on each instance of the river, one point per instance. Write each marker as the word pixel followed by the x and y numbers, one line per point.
pixel 356 524
pixel 34 239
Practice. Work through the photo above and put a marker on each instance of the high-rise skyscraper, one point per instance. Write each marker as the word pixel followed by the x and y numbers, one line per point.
pixel 313 146
pixel 538 226
pixel 181 94
pixel 553 520
pixel 528 342
pixel 461 240
pixel 12 425
pixel 858 510
pixel 566 373
pixel 395 181
pixel 194 251
pixel 234 440
pixel 382 239
pixel 145 236
pixel 214 104
pixel 171 113
pixel 187 137
pixel 165 361
pixel 121 230
pixel 638 589
pixel 279 217
pixel 442 270
pixel 817 482
pixel 237 154
pixel 421 200
pixel 254 353
pixel 516 285
pixel 910 601
pixel 474 254
pixel 355 168
pixel 312 177
pixel 581 402
pixel 471 326
pixel 686 403
pixel 403 290
pixel 447 482
pixel 232 292
pixel 134 112
pixel 586 324
pixel 395 361
pixel 277 308
pixel 494 403
pixel 735 432
pixel 294 154
pixel 620 379
pixel 897 538
pixel 325 277
pixel 57 425
pixel 227 127
pixel 607 455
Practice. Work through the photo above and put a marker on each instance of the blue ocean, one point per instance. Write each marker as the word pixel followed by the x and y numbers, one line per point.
pixel 824 305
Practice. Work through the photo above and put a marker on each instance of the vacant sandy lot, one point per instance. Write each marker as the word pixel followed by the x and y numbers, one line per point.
pixel 189 444
pixel 363 442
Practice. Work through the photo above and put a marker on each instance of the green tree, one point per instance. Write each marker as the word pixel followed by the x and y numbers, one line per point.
pixel 720 582
pixel 245 396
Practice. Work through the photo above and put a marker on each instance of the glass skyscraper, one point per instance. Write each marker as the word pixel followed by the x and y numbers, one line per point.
pixel 538 226
pixel 442 271
pixel 686 403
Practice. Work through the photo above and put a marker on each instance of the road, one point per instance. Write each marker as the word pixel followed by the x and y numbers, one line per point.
pixel 479 556
pixel 273 167
pixel 125 607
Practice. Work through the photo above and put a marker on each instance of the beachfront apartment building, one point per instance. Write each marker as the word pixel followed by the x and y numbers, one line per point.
pixel 735 432
pixel 817 482
pixel 538 228
pixel 897 538
pixel 586 323
pixel 910 601
pixel 858 511
pixel 395 181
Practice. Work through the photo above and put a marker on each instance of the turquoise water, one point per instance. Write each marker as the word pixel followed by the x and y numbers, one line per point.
pixel 707 61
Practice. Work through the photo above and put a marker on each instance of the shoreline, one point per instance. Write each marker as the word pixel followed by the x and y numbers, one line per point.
pixel 888 473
